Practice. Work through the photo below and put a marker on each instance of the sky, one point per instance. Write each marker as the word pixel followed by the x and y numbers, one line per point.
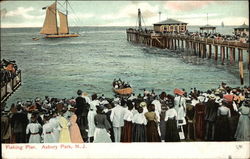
pixel 124 13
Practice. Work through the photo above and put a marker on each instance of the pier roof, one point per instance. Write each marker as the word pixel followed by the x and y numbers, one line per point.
pixel 244 26
pixel 208 27
pixel 169 22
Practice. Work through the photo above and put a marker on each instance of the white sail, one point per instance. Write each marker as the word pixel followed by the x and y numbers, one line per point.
pixel 50 23
pixel 63 29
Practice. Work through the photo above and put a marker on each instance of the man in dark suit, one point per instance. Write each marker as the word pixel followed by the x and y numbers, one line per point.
pixel 82 109
pixel 19 123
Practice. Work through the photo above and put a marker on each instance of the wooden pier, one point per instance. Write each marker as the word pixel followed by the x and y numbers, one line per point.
pixel 199 46
pixel 9 88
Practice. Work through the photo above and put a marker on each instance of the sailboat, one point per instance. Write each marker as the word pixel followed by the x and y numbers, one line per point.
pixel 50 26
pixel 222 24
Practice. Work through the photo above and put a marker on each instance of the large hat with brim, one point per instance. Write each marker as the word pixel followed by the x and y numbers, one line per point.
pixel 178 91
pixel 228 97
pixel 212 96
pixel 143 104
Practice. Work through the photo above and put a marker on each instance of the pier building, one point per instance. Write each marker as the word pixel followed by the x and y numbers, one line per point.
pixel 170 25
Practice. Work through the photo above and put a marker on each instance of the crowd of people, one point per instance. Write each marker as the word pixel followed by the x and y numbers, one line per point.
pixel 119 84
pixel 8 70
pixel 221 114
pixel 218 36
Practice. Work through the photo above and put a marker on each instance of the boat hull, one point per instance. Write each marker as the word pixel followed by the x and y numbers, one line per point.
pixel 124 91
pixel 62 35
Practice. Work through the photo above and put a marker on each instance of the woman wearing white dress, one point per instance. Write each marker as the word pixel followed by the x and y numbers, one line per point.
pixel 243 128
pixel 91 122
pixel 47 134
pixel 54 121
pixel 34 129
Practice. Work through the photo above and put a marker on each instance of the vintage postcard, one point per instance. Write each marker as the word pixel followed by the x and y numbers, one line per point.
pixel 125 79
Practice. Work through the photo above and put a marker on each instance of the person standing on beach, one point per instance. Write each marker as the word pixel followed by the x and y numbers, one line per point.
pixel 54 121
pixel 243 127
pixel 180 107
pixel 116 117
pixel 102 125
pixel 91 115
pixel 199 121
pixel 222 127
pixel 82 109
pixel 19 123
pixel 128 125
pixel 139 126
pixel 172 134
pixel 64 136
pixel 47 134
pixel 75 134
pixel 211 108
pixel 152 125
pixel 34 129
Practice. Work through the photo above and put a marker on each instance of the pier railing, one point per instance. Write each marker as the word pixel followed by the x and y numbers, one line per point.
pixel 199 46
pixel 8 88
pixel 213 41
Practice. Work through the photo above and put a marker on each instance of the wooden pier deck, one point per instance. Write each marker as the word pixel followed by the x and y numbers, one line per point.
pixel 200 46
pixel 9 88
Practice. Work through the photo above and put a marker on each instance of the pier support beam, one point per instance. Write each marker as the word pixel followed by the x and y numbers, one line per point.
pixel 222 55
pixel 209 51
pixel 216 52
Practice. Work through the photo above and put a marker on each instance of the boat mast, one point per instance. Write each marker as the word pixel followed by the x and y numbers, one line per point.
pixel 139 19
pixel 67 14
pixel 56 17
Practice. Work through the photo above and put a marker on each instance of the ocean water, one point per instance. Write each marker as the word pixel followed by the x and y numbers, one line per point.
pixel 59 67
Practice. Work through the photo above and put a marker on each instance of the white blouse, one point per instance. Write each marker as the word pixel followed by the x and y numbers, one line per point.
pixel 128 115
pixel 170 113
pixel 139 119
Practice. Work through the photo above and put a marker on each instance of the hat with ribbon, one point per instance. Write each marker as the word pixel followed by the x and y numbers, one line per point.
pixel 178 91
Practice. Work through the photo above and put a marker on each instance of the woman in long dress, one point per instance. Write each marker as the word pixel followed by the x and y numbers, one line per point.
pixel 34 129
pixel 152 129
pixel 199 121
pixel 243 127
pixel 75 134
pixel 101 134
pixel 54 122
pixel 139 126
pixel 47 134
pixel 128 125
pixel 172 134
pixel 222 127
pixel 64 136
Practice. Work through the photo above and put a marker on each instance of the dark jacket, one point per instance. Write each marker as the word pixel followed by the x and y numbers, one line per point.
pixel 102 122
pixel 211 110
pixel 82 107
